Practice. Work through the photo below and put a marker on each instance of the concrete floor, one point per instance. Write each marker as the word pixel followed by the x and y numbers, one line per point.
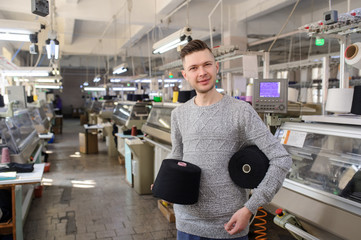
pixel 85 197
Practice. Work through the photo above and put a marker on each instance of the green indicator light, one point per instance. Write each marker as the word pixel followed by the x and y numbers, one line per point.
pixel 217 81
pixel 128 84
pixel 319 42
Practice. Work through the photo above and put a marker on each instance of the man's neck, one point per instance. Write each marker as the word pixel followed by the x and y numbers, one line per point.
pixel 207 99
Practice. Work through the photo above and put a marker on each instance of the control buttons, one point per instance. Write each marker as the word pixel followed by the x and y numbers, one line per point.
pixel 282 107
pixel 279 212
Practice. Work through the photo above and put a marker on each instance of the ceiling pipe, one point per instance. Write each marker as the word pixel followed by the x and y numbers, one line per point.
pixel 210 22
pixel 162 20
pixel 175 10
pixel 109 24
pixel 255 43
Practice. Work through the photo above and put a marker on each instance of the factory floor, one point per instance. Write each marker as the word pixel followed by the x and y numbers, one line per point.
pixel 85 197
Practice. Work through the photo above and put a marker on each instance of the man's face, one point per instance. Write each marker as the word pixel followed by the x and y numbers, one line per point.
pixel 200 70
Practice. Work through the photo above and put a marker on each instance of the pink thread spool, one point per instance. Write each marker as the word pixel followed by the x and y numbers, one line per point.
pixel 5 155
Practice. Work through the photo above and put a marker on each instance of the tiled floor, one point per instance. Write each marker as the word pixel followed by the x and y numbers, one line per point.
pixel 88 198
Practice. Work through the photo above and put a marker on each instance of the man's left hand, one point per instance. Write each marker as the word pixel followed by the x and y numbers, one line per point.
pixel 238 222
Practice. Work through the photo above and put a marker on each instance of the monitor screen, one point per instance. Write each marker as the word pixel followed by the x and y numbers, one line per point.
pixel 270 89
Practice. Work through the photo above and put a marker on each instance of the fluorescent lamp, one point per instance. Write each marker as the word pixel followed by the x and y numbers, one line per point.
pixel 52 48
pixel 27 72
pixel 122 68
pixel 53 79
pixel 180 37
pixel 170 46
pixel 124 89
pixel 56 49
pixel 97 78
pixel 94 89
pixel 171 80
pixel 46 80
pixel 48 48
pixel 115 80
pixel 220 90
pixel 146 81
pixel 48 86
pixel 15 26
pixel 159 80
pixel 21 79
pixel 15 37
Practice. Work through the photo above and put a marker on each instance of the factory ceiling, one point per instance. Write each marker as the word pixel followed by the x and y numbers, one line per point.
pixel 115 31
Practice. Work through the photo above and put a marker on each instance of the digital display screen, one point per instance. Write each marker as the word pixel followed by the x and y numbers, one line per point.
pixel 270 89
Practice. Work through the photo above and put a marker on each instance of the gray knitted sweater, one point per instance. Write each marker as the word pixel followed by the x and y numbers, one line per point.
pixel 208 136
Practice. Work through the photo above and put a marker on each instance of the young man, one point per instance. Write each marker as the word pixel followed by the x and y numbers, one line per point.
pixel 206 131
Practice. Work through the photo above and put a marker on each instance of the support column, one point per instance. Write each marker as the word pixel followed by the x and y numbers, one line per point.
pixel 234 34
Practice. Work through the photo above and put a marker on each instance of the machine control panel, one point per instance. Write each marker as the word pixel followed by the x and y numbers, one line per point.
pixel 270 95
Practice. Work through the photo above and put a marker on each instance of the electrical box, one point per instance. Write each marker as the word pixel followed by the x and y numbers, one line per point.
pixel 33 48
pixel 330 17
pixel 40 7
pixel 18 94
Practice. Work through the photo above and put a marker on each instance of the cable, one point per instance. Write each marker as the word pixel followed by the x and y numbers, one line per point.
pixel 284 25
pixel 16 53
pixel 262 234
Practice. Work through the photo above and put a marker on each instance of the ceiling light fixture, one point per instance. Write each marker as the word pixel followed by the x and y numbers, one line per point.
pixel 124 89
pixel 46 80
pixel 52 48
pixel 27 72
pixel 14 37
pixel 122 68
pixel 174 40
pixel 115 80
pixel 94 89
pixel 48 86
pixel 97 78
pixel 49 79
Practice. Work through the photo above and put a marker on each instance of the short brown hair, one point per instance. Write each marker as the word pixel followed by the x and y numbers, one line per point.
pixel 193 46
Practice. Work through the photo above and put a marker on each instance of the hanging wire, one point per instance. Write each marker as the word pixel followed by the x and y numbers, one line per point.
pixel 16 53
pixel 52 16
pixel 187 20
pixel 130 5
pixel 115 40
pixel 87 72
pixel 284 25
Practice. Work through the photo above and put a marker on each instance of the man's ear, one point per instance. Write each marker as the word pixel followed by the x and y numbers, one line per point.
pixel 184 75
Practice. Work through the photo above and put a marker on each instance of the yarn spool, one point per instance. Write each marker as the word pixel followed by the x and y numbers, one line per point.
pixel 177 182
pixel 292 94
pixel 5 155
pixel 339 100
pixel 134 131
pixel 248 166
pixel 356 101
